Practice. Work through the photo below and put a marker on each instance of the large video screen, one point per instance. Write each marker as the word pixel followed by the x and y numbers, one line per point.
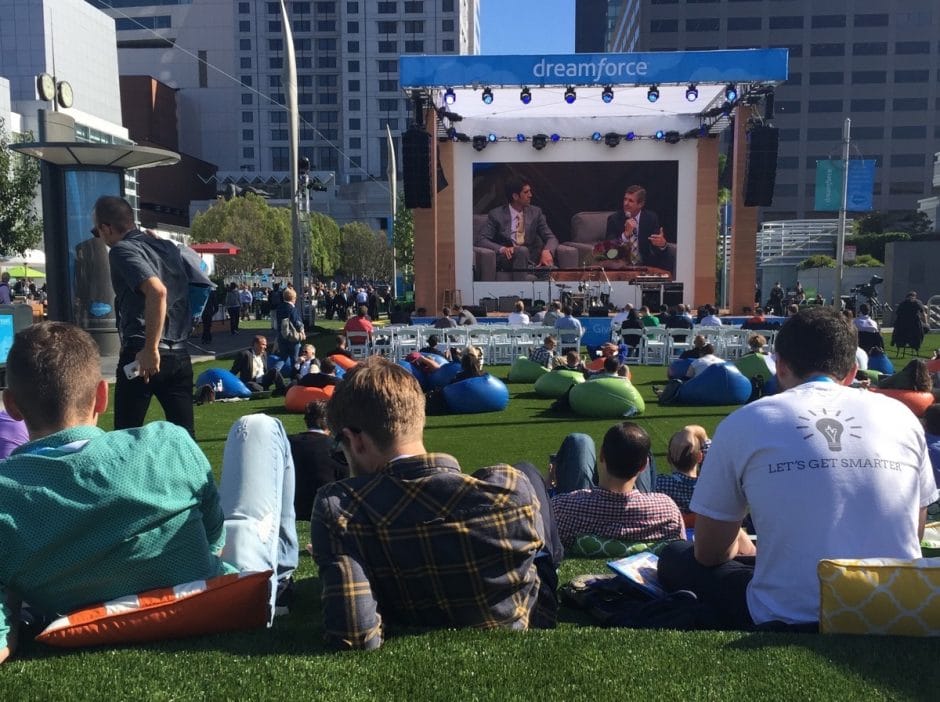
pixel 584 206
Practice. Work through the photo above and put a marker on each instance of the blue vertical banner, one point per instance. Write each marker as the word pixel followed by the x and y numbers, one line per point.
pixel 861 182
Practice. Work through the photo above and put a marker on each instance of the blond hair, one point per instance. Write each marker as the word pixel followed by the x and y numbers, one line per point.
pixel 686 447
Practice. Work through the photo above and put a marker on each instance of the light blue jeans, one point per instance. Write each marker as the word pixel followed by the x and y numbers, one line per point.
pixel 257 498
pixel 576 466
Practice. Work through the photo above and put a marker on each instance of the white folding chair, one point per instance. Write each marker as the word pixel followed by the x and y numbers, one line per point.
pixel 635 339
pixel 358 344
pixel 523 340
pixel 404 341
pixel 655 346
pixel 712 336
pixel 481 336
pixel 568 340
pixel 501 345
pixel 678 342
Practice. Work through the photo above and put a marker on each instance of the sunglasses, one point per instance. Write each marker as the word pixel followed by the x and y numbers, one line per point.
pixel 94 230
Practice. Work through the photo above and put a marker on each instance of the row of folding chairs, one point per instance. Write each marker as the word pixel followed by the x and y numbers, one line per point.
pixel 660 346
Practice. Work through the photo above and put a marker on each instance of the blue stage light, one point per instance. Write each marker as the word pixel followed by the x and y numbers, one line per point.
pixel 525 96
pixel 487 96
pixel 731 92
pixel 660 134
pixel 653 93
pixel 570 95
pixel 691 93
pixel 491 137
pixel 450 97
pixel 555 137
pixel 608 94
pixel 596 136
pixel 630 136
pixel 520 137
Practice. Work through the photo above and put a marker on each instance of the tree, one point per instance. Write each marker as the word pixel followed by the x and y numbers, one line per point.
pixel 913 222
pixel 262 232
pixel 20 225
pixel 365 252
pixel 324 244
pixel 403 238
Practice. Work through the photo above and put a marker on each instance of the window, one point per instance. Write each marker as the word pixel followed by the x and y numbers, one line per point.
pixel 326 8
pixel 280 158
pixel 868 132
pixel 355 142
pixel 275 44
pixel 301 25
pixel 414 26
pixel 243 25
pixel 744 23
pixel 867 105
pixel 354 105
pixel 912 132
pixel 870 48
pixel 246 81
pixel 274 26
pixel 328 116
pixel 786 22
pixel 789 135
pixel 447 5
pixel 247 99
pixel 305 80
pixel 352 28
pixel 244 44
pixel 326 62
pixel 327 99
pixel 352 8
pixel 301 8
pixel 306 44
pixel 912 47
pixel 391 123
pixel 248 134
pixel 386 86
pixel 244 62
pixel 795 50
pixel 871 20
pixel 276 63
pixel 868 77
pixel 304 62
pixel 447 25
pixel 789 107
pixel 355 123
pixel 248 117
pixel 414 46
pixel 277 98
pixel 824 134
pixel 202 57
pixel 388 47
pixel 414 6
pixel 827 50
pixel 388 27
pixel 274 8
pixel 447 45
pixel 353 86
pixel 825 78
pixel 278 135
pixel 352 66
pixel 388 65
pixel 388 8
pixel 330 80
pixel 664 25
pixel 823 21
pixel 352 47
pixel 909 104
pixel 243 8
pixel 825 106
pixel 906 188
pixel 388 105
pixel 702 24
pixel 248 152
pixel 912 76
pixel 795 78
pixel 278 117
pixel 907 160
pixel 326 25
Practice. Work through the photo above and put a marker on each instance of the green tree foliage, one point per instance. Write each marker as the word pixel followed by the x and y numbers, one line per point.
pixel 817 261
pixel 20 224
pixel 324 244
pixel 403 236
pixel 262 232
pixel 874 244
pixel 365 252
pixel 913 222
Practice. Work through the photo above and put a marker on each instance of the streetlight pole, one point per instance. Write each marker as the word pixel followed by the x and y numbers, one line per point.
pixel 840 235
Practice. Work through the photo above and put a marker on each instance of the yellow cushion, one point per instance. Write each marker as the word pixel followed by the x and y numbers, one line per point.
pixel 224 603
pixel 880 596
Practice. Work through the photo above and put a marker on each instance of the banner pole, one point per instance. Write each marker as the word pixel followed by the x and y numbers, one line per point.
pixel 840 235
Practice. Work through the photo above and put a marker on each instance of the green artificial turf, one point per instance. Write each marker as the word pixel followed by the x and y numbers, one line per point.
pixel 573 662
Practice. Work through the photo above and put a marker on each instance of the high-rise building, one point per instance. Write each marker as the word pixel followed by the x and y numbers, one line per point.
pixel 875 62
pixel 606 25
pixel 226 61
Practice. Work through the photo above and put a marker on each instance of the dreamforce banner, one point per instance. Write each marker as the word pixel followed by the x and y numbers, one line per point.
pixel 740 66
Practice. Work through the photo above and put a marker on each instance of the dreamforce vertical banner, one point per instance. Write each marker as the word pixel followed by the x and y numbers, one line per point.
pixel 861 184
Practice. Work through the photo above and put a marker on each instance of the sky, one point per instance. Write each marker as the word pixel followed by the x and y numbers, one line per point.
pixel 527 26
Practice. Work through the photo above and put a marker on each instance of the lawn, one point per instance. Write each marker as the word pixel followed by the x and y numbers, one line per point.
pixel 572 662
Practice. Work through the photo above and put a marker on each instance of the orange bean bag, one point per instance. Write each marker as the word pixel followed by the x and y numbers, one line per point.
pixel 344 362
pixel 917 402
pixel 933 365
pixel 298 396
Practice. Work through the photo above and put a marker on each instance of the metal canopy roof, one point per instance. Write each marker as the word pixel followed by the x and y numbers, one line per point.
pixel 125 156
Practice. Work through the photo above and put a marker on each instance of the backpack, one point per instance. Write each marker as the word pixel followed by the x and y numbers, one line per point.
pixel 290 333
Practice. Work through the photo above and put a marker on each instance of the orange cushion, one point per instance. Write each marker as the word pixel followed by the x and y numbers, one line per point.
pixel 917 402
pixel 933 365
pixel 598 365
pixel 298 396
pixel 344 362
pixel 224 603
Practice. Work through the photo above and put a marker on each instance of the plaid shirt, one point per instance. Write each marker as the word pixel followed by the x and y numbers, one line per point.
pixel 678 486
pixel 634 516
pixel 543 356
pixel 422 544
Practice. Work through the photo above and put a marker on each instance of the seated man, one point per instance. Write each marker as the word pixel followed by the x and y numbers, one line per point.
pixel 359 323
pixel 314 462
pixel 518 232
pixel 687 449
pixel 307 361
pixel 320 379
pixel 432 341
pixel 614 508
pixel 545 354
pixel 341 349
pixel 569 330
pixel 518 315
pixel 864 322
pixel 826 471
pixel 634 232
pixel 411 539
pixel 90 515
pixel 445 321
pixel 552 314
pixel 251 367
pixel 464 316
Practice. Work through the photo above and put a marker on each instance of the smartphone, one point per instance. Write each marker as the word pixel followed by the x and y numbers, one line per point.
pixel 132 370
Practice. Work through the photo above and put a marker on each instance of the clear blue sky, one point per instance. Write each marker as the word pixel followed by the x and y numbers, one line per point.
pixel 527 26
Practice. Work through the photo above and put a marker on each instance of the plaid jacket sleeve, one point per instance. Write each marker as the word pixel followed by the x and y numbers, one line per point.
pixel 350 611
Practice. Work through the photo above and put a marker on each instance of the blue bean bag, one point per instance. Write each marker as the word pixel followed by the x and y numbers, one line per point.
pixel 444 375
pixel 231 385
pixel 678 368
pixel 423 380
pixel 275 362
pixel 524 370
pixel 719 384
pixel 881 363
pixel 557 383
pixel 339 372
pixel 606 397
pixel 771 386
pixel 483 394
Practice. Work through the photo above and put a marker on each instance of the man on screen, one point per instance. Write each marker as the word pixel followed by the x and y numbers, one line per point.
pixel 518 232
pixel 636 234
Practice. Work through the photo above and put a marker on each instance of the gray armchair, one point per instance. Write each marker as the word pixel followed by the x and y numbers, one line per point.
pixel 484 260
pixel 587 229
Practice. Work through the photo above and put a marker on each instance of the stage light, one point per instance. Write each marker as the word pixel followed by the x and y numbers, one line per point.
pixel 659 134
pixel 450 97
pixel 672 137
pixel 555 137
pixel 691 93
pixel 487 96
pixel 653 93
pixel 491 137
pixel 539 141
pixel 630 136
pixel 570 95
pixel 479 142
pixel 596 136
pixel 611 139
pixel 525 96
pixel 520 137
pixel 731 92
pixel 608 94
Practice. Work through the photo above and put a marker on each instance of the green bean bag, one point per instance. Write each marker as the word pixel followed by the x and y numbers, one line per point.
pixel 525 371
pixel 556 383
pixel 606 397
pixel 587 546
pixel 753 364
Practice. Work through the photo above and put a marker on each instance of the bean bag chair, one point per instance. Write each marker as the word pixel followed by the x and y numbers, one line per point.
pixel 598 365
pixel 771 386
pixel 917 402
pixel 606 397
pixel 444 375
pixel 881 363
pixel 873 375
pixel 341 361
pixel 275 362
pixel 557 383
pixel 678 368
pixel 524 370
pixel 298 396
pixel 719 384
pixel 231 385
pixel 933 365
pixel 423 379
pixel 754 364
pixel 473 395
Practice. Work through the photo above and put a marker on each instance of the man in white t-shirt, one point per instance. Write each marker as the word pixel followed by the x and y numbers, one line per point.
pixel 826 471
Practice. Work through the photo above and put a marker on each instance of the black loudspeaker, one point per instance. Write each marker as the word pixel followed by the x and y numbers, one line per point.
pixel 488 304
pixel 672 294
pixel 597 312
pixel 476 310
pixel 761 166
pixel 507 303
pixel 651 295
pixel 416 153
